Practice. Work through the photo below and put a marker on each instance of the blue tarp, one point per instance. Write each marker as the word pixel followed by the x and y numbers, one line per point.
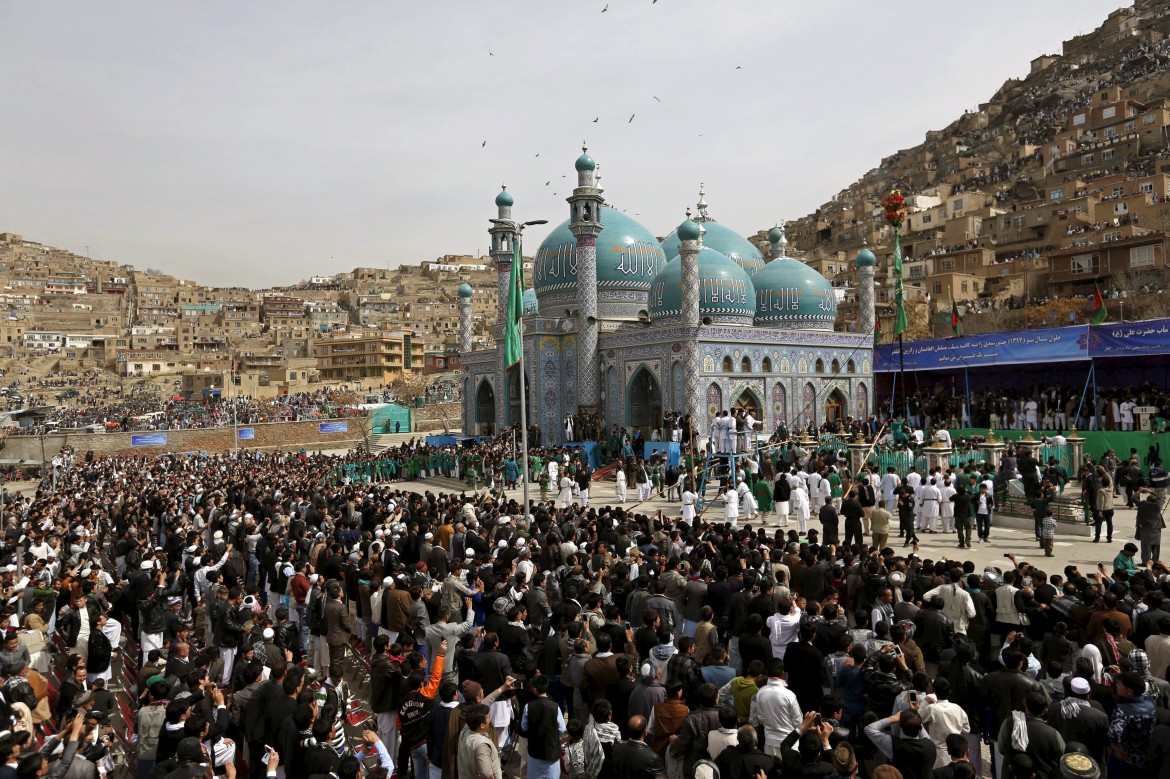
pixel 441 440
pixel 1049 345
pixel 673 451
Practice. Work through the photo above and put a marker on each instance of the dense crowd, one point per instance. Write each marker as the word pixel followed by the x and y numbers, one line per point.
pixel 584 637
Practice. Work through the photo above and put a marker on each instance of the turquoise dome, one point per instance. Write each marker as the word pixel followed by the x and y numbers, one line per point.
pixel 584 163
pixel 688 231
pixel 775 234
pixel 465 290
pixel 865 258
pixel 725 289
pixel 725 241
pixel 504 199
pixel 531 307
pixel 628 257
pixel 791 294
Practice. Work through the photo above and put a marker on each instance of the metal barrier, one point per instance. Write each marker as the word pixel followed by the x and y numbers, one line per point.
pixel 900 460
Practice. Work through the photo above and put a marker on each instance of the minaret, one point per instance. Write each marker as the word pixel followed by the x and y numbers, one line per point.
pixel 866 311
pixel 465 293
pixel 778 241
pixel 585 224
pixel 503 232
pixel 690 242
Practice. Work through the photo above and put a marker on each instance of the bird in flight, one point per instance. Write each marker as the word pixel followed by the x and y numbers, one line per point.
pixel 548 182
pixel 656 98
pixel 739 67
pixel 483 144
pixel 631 118
pixel 538 154
pixel 595 119
pixel 490 53
pixel 603 10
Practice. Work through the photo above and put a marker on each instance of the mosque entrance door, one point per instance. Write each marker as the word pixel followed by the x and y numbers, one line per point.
pixel 644 407
pixel 747 402
pixel 835 407
pixel 485 409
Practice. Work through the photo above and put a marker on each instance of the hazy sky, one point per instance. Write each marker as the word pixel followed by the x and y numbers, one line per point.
pixel 259 143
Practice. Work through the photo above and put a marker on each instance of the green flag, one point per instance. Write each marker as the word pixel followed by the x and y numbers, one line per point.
pixel 899 294
pixel 513 343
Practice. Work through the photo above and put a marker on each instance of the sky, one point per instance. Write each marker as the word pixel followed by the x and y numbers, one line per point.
pixel 260 143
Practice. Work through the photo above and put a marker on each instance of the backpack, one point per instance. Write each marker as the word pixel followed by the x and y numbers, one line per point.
pixel 150 725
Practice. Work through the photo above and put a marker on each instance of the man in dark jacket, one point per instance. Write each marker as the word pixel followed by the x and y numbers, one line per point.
pixel 385 676
pixel 1006 689
pixel 229 631
pixel 935 632
pixel 1043 743
pixel 1077 718
pixel 745 758
pixel 691 744
pixel 634 757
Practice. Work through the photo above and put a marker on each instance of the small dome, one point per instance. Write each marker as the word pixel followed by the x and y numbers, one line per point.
pixel 725 241
pixel 688 231
pixel 865 258
pixel 585 162
pixel 504 199
pixel 775 234
pixel 465 290
pixel 725 289
pixel 791 294
pixel 531 306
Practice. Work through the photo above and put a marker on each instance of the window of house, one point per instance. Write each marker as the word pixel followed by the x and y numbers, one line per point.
pixel 1110 132
pixel 1112 235
pixel 926 219
pixel 1019 221
pixel 1148 119
pixel 1146 187
pixel 1108 155
pixel 1086 159
pixel 963 286
pixel 1055 195
pixel 1129 127
pixel 936 287
pixel 1079 119
pixel 1120 208
pixel 1119 192
pixel 1083 263
pixel 1006 223
pixel 948 263
pixel 1141 257
pixel 957 205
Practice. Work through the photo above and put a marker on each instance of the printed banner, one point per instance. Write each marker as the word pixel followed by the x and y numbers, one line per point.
pixel 1056 344
pixel 333 427
pixel 247 433
pixel 149 439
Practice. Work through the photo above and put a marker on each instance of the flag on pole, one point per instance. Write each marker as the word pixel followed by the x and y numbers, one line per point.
pixel 1099 312
pixel 956 320
pixel 899 294
pixel 877 330
pixel 513 342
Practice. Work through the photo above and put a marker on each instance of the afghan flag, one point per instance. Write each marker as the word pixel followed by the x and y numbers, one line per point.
pixel 877 330
pixel 513 342
pixel 956 320
pixel 900 323
pixel 1099 313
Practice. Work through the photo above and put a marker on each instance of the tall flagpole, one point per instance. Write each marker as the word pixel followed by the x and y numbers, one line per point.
pixel 523 402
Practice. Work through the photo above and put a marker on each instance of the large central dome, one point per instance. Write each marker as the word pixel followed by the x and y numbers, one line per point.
pixel 628 257
pixel 726 293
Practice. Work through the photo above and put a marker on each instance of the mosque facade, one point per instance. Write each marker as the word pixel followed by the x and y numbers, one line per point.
pixel 627 327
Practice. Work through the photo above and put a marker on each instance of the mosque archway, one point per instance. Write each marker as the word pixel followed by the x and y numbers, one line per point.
pixel 514 399
pixel 714 403
pixel 485 408
pixel 747 401
pixel 644 402
pixel 808 406
pixel 836 406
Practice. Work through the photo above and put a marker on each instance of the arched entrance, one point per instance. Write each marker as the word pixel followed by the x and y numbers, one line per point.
pixel 485 409
pixel 747 401
pixel 835 406
pixel 514 399
pixel 644 402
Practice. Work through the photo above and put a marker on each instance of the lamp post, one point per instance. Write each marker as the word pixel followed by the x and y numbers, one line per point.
pixel 523 392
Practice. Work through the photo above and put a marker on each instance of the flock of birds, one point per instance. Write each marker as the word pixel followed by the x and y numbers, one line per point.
pixel 597 119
